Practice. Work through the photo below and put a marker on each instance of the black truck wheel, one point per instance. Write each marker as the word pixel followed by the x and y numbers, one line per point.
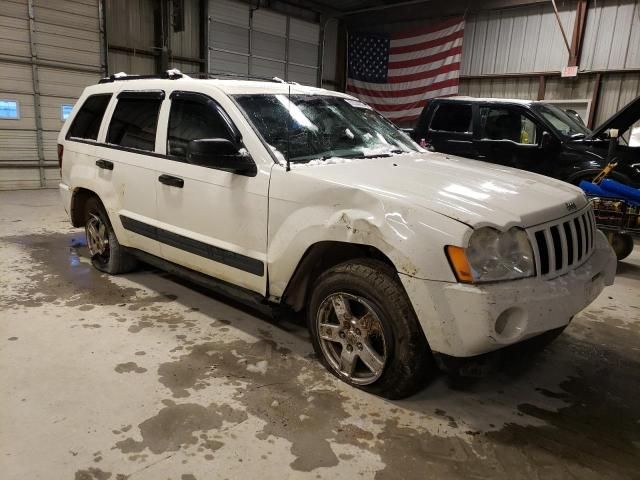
pixel 622 244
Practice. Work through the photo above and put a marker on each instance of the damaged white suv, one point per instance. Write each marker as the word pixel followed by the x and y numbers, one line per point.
pixel 399 256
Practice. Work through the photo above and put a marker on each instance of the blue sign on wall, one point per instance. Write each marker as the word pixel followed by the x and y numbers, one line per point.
pixel 9 110
pixel 65 111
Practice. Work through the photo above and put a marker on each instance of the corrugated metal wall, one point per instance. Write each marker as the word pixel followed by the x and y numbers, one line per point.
pixel 186 44
pixel 130 24
pixel 134 44
pixel 516 40
pixel 262 43
pixel 612 36
pixel 63 37
pixel 329 57
pixel 527 40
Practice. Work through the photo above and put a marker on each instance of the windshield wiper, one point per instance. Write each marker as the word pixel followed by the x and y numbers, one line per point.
pixel 576 136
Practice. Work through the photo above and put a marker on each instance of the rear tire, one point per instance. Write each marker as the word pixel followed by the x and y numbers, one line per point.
pixel 622 244
pixel 107 255
pixel 365 331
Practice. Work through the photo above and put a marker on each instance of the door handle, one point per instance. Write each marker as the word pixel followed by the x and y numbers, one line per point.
pixel 171 181
pixel 104 164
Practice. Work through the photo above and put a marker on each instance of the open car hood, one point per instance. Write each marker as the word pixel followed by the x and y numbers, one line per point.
pixel 622 120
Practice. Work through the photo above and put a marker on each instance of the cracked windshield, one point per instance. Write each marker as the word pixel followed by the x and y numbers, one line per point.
pixel 313 127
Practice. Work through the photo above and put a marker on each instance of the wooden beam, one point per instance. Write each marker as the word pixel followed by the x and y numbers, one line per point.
pixel 595 97
pixel 341 57
pixel 564 35
pixel 542 86
pixel 204 35
pixel 578 32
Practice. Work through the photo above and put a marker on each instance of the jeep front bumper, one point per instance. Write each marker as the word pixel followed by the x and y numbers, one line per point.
pixel 463 320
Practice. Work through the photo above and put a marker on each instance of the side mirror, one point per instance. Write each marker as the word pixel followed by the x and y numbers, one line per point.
pixel 547 142
pixel 222 154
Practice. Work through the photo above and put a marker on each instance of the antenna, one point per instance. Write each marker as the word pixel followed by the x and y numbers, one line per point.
pixel 289 131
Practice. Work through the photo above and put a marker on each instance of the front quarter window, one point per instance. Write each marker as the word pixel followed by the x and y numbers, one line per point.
pixel 309 127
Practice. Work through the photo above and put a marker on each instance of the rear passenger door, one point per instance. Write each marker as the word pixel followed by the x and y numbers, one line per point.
pixel 213 221
pixel 126 168
pixel 79 168
pixel 450 129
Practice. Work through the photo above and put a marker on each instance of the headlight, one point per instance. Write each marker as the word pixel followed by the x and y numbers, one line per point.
pixel 492 256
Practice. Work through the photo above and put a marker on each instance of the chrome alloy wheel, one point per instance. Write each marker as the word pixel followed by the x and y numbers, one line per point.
pixel 97 237
pixel 351 337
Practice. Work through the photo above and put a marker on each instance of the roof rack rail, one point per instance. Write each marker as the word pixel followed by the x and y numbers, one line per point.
pixel 168 75
pixel 223 75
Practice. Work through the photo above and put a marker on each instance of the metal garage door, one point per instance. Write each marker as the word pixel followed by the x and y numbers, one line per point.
pixel 263 43
pixel 63 39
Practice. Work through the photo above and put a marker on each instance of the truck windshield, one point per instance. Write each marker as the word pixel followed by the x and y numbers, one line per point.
pixel 321 127
pixel 561 121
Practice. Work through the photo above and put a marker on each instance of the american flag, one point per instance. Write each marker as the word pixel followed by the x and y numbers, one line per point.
pixel 396 73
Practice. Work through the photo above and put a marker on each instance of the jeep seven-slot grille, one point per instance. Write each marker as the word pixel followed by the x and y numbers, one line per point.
pixel 564 244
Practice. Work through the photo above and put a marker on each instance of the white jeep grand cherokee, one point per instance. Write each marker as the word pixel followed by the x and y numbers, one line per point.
pixel 398 255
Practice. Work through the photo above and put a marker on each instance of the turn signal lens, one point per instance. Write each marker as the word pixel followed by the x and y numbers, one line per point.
pixel 459 263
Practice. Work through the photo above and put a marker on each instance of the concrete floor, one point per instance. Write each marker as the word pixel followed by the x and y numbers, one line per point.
pixel 143 377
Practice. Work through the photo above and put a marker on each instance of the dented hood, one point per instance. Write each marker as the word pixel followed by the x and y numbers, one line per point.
pixel 475 193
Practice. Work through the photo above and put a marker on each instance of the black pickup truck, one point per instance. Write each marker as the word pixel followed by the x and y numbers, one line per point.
pixel 534 136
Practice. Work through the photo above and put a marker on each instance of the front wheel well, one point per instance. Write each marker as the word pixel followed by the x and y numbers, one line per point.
pixel 318 258
pixel 78 203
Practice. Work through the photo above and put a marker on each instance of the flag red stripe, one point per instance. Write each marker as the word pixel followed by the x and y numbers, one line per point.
pixel 423 75
pixel 451 82
pixel 398 107
pixel 403 119
pixel 424 45
pixel 414 117
pixel 424 60
pixel 424 31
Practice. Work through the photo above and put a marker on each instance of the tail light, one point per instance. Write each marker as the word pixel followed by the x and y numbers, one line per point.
pixel 60 153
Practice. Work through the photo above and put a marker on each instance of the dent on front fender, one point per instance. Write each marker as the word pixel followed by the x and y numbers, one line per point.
pixel 304 211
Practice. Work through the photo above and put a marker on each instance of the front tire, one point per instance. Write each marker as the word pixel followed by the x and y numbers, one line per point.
pixel 365 331
pixel 107 255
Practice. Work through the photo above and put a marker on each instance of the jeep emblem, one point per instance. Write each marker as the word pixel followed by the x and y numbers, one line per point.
pixel 570 206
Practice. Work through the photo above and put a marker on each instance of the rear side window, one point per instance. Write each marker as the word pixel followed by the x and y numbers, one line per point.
pixel 134 123
pixel 452 117
pixel 87 122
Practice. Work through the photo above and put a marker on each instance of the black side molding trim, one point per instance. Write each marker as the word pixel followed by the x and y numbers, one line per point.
pixel 217 254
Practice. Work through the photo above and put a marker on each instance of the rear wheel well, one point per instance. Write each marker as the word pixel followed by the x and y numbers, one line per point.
pixel 317 259
pixel 78 203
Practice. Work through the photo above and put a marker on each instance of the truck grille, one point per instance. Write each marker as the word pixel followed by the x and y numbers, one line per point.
pixel 563 244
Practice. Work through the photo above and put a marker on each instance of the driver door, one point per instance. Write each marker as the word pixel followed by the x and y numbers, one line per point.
pixel 509 136
pixel 213 221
